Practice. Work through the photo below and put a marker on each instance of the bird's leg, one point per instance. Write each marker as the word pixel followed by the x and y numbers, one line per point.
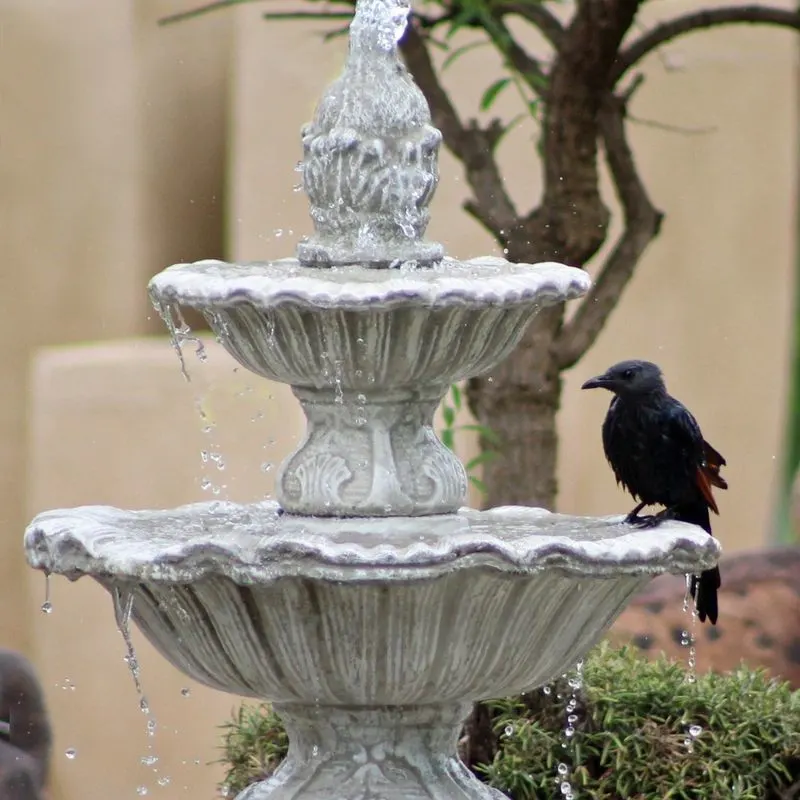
pixel 633 518
pixel 656 519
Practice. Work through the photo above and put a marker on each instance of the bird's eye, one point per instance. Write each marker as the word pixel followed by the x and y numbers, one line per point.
pixel 628 374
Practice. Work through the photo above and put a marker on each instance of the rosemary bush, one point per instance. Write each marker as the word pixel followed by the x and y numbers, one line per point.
pixel 631 738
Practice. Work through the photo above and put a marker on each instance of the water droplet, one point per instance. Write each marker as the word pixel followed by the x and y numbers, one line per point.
pixel 315 751
pixel 151 727
pixel 141 791
pixel 164 781
pixel 695 731
pixel 186 691
pixel 509 730
pixel 266 466
pixel 563 769
pixel 70 753
pixel 546 690
pixel 47 606
pixel 144 706
pixel 149 761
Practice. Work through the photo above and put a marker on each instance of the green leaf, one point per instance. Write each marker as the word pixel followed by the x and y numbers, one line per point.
pixel 486 433
pixel 482 458
pixel 448 415
pixel 447 438
pixel 491 94
pixel 460 51
pixel 478 484
pixel 455 394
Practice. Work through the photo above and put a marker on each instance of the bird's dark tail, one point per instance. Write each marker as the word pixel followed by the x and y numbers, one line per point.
pixel 703 589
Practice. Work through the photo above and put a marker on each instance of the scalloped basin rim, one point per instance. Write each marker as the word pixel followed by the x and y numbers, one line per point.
pixel 475 282
pixel 253 544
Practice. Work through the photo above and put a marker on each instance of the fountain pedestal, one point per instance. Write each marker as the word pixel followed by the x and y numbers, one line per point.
pixel 392 753
pixel 377 611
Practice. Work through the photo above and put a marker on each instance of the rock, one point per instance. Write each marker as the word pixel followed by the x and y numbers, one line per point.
pixel 25 733
pixel 759 618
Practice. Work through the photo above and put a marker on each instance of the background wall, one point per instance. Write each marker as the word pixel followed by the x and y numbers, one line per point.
pixel 127 147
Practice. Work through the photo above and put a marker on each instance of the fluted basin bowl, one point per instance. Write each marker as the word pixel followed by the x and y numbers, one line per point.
pixel 369 354
pixel 366 612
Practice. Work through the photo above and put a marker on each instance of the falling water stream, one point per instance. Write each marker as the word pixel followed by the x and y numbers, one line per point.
pixel 123 608
pixel 180 333
pixel 689 640
pixel 574 680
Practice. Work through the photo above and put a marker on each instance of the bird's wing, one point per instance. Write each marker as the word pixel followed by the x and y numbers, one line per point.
pixel 706 460
pixel 713 462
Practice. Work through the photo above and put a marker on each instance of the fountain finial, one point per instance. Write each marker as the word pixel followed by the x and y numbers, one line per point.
pixel 370 164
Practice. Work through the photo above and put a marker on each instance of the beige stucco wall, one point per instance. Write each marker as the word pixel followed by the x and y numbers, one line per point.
pixel 115 140
pixel 116 424
pixel 112 161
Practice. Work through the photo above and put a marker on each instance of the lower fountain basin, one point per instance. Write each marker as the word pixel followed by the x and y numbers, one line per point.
pixel 366 612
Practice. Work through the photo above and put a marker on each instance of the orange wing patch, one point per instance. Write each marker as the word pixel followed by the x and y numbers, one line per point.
pixel 708 475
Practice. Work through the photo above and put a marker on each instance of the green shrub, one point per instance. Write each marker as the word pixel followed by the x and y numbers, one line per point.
pixel 631 739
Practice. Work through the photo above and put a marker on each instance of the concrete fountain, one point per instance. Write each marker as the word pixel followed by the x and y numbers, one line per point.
pixel 366 604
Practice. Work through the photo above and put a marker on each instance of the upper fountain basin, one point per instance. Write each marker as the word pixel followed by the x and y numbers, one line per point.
pixel 359 329
pixel 423 610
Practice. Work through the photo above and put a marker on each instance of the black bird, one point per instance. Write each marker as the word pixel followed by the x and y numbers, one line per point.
pixel 658 453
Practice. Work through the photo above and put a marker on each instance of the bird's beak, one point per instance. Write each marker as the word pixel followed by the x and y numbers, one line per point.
pixel 598 382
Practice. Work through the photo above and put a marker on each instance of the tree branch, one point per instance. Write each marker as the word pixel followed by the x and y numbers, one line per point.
pixel 528 68
pixel 642 224
pixel 201 10
pixel 472 145
pixel 547 24
pixel 294 15
pixel 698 20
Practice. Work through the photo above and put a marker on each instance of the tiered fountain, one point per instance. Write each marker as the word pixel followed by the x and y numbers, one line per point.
pixel 365 604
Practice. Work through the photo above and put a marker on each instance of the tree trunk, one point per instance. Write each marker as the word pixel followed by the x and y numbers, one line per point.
pixel 518 402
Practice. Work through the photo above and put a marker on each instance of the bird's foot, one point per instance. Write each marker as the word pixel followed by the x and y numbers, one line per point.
pixel 646 521
pixel 654 520
pixel 636 519
pixel 650 521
